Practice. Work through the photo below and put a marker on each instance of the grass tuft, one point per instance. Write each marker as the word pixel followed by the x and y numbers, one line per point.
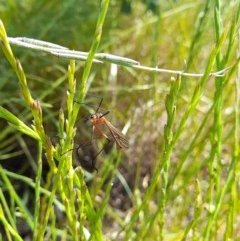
pixel 178 180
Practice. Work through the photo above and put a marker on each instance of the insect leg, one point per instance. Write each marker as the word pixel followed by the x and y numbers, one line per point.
pixel 99 105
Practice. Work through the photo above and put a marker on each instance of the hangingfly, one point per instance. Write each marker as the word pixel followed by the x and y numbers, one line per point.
pixel 97 120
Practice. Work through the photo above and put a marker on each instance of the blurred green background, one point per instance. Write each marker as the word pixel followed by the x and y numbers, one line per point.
pixel 171 34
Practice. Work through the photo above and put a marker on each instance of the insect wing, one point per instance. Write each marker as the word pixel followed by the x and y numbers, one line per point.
pixel 120 139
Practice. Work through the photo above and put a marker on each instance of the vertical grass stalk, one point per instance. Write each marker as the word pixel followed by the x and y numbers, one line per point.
pixel 37 191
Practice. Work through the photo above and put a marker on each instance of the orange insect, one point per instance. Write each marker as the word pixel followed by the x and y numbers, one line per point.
pixel 97 120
